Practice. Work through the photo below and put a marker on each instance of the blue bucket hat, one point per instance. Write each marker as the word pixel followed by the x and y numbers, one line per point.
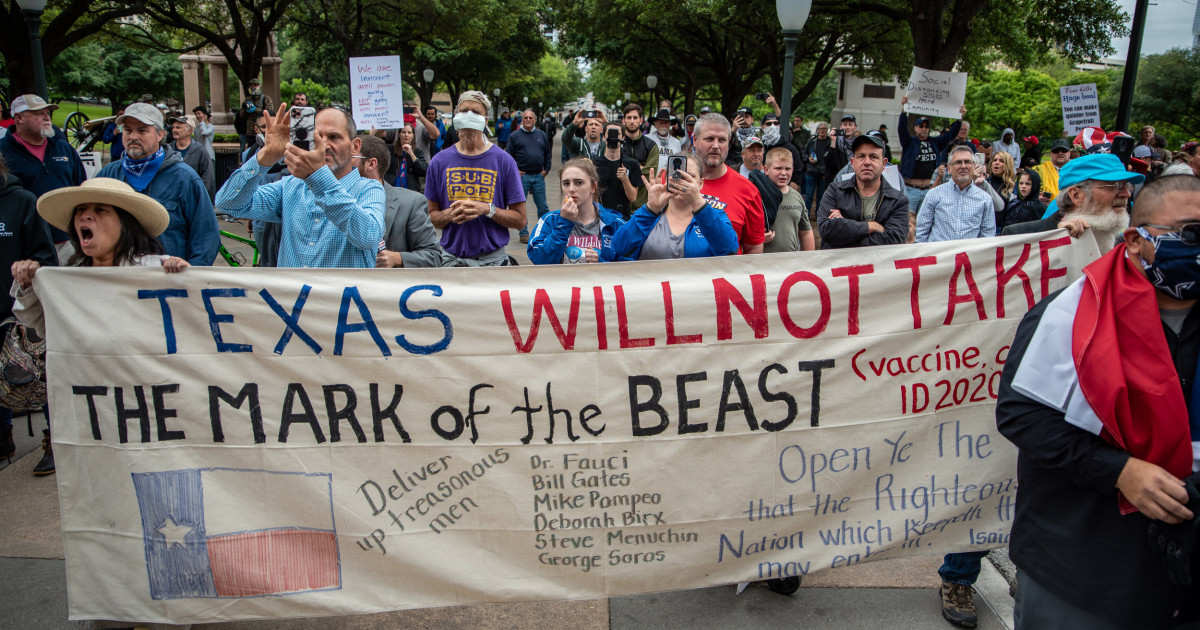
pixel 1104 167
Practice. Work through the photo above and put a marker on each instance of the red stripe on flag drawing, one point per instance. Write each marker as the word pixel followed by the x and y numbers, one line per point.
pixel 272 562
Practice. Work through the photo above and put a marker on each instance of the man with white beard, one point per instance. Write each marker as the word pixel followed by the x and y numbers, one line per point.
pixel 1094 192
pixel 667 144
pixel 474 191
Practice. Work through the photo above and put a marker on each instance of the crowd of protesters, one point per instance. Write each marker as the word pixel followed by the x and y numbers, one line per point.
pixel 661 184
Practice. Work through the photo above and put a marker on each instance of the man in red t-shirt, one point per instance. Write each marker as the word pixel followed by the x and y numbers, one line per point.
pixel 724 188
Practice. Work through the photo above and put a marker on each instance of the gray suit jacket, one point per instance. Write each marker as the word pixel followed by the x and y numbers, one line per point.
pixel 407 228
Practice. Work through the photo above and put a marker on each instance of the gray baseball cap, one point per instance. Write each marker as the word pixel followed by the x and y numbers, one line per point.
pixel 30 103
pixel 144 112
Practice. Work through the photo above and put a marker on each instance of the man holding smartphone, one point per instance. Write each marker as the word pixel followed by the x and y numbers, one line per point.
pixel 621 180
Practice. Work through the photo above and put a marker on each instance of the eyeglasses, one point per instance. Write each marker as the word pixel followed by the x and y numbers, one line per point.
pixel 1189 233
pixel 773 123
pixel 963 163
pixel 1060 150
pixel 1115 187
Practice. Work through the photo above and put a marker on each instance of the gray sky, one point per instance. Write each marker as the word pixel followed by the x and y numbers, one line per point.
pixel 1168 25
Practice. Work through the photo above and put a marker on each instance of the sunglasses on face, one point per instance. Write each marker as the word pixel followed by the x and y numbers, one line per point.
pixel 1189 233
pixel 1059 151
pixel 773 123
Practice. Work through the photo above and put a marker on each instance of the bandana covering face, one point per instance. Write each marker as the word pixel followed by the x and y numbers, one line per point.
pixel 1176 267
pixel 140 172
pixel 770 135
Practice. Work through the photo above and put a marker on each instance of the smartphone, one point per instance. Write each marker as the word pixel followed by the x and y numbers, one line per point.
pixel 1122 147
pixel 591 113
pixel 979 158
pixel 675 164
pixel 410 109
pixel 760 96
pixel 303 126
pixel 839 132
pixel 613 135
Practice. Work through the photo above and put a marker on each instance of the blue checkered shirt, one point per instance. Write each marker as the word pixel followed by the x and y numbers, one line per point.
pixel 950 213
pixel 327 222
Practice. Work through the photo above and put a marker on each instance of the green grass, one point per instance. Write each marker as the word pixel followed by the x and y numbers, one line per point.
pixel 66 108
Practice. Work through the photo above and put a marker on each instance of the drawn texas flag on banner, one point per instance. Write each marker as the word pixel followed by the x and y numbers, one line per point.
pixel 224 532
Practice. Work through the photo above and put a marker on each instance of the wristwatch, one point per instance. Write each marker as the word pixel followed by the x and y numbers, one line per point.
pixel 491 211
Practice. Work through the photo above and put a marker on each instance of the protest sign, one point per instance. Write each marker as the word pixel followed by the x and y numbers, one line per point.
pixel 935 93
pixel 376 94
pixel 1080 107
pixel 328 442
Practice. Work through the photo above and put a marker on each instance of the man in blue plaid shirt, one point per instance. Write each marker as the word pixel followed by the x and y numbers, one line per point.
pixel 957 209
pixel 331 216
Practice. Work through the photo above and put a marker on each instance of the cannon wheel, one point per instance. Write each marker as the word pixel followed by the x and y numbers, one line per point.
pixel 76 128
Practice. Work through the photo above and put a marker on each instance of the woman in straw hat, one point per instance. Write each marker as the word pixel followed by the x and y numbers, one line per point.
pixel 110 225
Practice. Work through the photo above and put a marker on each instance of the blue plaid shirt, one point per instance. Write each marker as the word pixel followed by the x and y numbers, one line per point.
pixel 327 222
pixel 950 213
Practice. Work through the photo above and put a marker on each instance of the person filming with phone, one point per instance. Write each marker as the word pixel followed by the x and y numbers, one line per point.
pixel 331 215
pixel 620 175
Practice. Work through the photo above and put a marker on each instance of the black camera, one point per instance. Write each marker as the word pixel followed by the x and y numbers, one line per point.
pixel 612 137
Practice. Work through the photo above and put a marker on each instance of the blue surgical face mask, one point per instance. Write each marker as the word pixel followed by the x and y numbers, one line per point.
pixel 470 120
pixel 1176 267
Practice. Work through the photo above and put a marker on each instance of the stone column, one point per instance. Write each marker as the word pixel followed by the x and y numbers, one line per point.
pixel 193 88
pixel 270 79
pixel 218 87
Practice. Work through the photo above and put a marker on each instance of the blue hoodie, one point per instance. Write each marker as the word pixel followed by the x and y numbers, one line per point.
pixel 548 243
pixel 709 234
pixel 192 233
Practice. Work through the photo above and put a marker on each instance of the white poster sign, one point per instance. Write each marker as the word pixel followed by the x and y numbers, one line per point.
pixel 935 93
pixel 254 443
pixel 376 92
pixel 93 161
pixel 1080 107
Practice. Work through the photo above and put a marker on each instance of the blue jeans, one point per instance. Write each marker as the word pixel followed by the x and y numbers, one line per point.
pixel 962 568
pixel 915 198
pixel 814 189
pixel 536 183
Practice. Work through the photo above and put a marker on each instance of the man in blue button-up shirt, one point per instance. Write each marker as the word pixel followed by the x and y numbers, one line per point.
pixel 331 216
pixel 957 209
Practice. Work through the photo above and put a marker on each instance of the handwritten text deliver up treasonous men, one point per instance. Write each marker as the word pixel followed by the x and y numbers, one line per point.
pixel 300 442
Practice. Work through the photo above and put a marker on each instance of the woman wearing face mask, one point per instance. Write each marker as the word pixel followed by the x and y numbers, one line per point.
pixel 408 169
pixel 676 222
pixel 1025 205
pixel 583 230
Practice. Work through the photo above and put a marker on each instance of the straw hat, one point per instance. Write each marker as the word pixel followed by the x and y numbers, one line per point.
pixel 57 207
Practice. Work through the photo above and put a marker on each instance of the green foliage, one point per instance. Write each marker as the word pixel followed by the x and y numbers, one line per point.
pixel 116 70
pixel 1168 94
pixel 316 92
pixel 1028 102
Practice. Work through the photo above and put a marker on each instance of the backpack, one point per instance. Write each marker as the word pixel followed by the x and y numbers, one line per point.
pixel 22 367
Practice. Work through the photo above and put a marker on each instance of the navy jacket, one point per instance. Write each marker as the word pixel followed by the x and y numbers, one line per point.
pixel 23 235
pixel 61 168
pixel 192 233
pixel 531 150
pixel 908 157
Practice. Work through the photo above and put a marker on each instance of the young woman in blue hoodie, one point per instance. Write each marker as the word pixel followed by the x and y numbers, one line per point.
pixel 582 231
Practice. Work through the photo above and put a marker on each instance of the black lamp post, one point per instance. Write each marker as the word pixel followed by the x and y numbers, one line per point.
pixel 652 82
pixel 792 16
pixel 32 10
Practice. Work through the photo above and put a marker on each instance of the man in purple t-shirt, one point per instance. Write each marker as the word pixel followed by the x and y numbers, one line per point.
pixel 474 191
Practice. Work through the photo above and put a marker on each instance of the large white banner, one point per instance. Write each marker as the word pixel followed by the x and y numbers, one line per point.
pixel 240 443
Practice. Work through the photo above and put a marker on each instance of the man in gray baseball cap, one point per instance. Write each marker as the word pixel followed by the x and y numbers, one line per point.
pixel 160 172
pixel 38 153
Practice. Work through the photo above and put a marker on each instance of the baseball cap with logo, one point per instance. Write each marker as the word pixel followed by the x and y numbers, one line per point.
pixel 144 112
pixel 30 103
pixel 752 140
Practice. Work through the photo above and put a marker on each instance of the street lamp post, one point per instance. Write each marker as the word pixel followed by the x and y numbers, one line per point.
pixel 428 76
pixel 496 93
pixel 792 16
pixel 32 10
pixel 652 82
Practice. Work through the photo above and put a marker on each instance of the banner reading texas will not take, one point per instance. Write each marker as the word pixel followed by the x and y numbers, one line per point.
pixel 241 444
